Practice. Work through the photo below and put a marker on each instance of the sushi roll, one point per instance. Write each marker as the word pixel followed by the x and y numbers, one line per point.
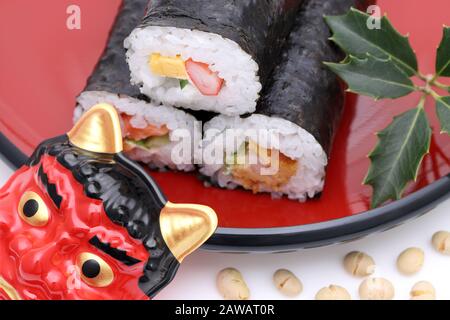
pixel 158 135
pixel 208 55
pixel 284 147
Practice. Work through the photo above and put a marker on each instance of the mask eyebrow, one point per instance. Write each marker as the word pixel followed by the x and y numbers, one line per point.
pixel 50 188
pixel 115 253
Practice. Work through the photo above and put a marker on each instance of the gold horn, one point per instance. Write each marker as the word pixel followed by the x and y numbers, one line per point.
pixel 185 227
pixel 98 130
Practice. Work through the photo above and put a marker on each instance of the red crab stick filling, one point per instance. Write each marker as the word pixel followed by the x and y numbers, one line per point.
pixel 147 138
pixel 207 82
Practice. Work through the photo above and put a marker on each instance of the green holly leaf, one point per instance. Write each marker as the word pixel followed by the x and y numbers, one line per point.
pixel 443 112
pixel 397 157
pixel 443 55
pixel 351 33
pixel 378 78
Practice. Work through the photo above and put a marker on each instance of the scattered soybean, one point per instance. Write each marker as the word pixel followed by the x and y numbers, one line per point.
pixel 232 285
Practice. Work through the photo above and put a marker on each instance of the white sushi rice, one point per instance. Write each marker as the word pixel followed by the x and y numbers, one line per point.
pixel 290 139
pixel 240 72
pixel 179 123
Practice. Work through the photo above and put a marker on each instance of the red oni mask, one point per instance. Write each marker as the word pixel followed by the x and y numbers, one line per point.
pixel 79 224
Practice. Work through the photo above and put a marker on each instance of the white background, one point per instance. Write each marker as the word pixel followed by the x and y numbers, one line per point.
pixel 319 267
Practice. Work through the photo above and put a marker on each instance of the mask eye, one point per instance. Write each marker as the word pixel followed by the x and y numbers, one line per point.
pixel 94 270
pixel 33 210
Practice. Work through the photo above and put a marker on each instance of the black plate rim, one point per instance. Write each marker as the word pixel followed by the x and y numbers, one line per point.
pixel 284 239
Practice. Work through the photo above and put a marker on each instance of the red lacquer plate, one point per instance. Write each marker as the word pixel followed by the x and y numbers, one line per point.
pixel 43 66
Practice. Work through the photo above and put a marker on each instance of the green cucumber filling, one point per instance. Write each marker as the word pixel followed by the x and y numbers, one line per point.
pixel 183 83
pixel 150 143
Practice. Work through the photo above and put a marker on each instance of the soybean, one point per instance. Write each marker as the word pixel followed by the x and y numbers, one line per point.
pixel 441 242
pixel 376 289
pixel 231 285
pixel 287 283
pixel 359 264
pixel 333 292
pixel 423 290
pixel 410 261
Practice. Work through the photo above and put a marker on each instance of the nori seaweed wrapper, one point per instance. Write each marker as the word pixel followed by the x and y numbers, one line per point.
pixel 111 74
pixel 302 89
pixel 260 27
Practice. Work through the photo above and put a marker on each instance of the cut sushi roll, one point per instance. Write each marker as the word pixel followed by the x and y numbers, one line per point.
pixel 161 136
pixel 263 154
pixel 208 55
pixel 296 118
